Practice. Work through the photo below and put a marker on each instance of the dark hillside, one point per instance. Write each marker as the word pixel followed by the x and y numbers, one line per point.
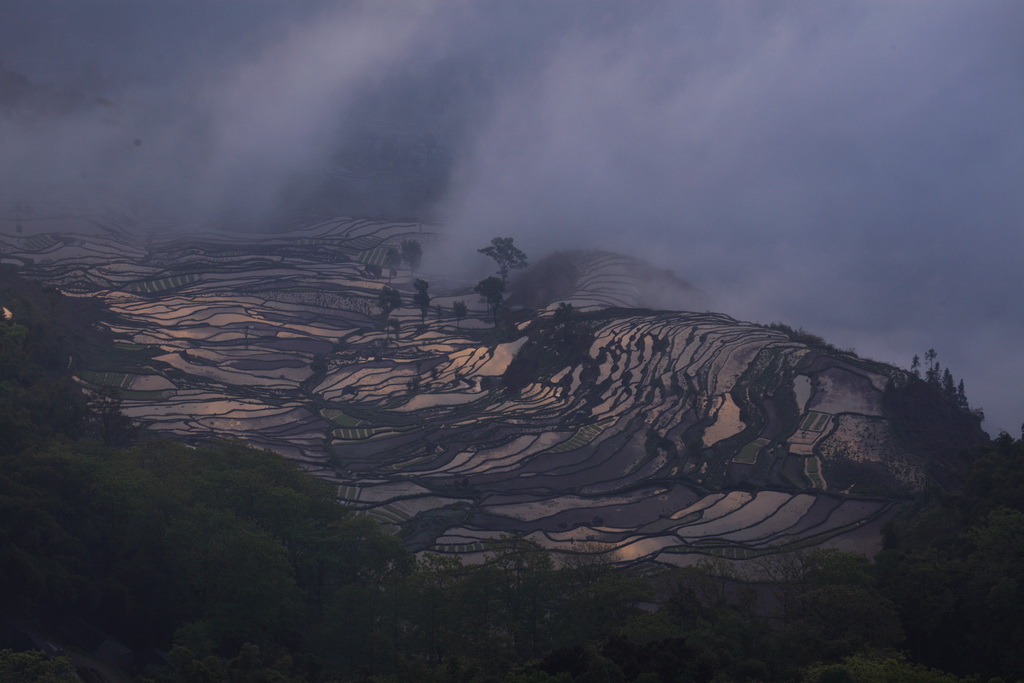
pixel 929 422
pixel 62 326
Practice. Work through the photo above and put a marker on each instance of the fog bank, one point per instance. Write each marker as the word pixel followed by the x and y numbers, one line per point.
pixel 854 168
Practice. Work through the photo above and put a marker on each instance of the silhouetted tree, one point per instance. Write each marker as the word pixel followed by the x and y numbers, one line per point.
pixel 506 255
pixel 389 299
pixel 412 254
pixel 931 373
pixel 492 290
pixel 421 298
pixel 459 310
pixel 392 259
pixel 948 386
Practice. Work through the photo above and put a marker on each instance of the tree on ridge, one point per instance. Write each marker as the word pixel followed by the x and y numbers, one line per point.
pixel 459 310
pixel 388 299
pixel 421 298
pixel 392 259
pixel 492 290
pixel 412 254
pixel 506 255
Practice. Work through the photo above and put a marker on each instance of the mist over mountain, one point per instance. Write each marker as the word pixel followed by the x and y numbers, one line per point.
pixel 520 450
pixel 272 408
pixel 853 169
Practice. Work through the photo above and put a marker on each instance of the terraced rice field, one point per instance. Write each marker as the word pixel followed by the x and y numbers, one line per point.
pixel 162 284
pixel 642 442
pixel 812 468
pixel 815 422
pixel 119 380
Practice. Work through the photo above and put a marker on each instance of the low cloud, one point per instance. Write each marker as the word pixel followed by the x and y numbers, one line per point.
pixel 213 136
pixel 850 168
pixel 853 168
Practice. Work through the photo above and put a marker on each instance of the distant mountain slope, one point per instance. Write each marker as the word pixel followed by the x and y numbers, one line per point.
pixel 599 279
pixel 663 435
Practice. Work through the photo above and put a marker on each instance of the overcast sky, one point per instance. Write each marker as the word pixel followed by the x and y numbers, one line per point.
pixel 855 168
